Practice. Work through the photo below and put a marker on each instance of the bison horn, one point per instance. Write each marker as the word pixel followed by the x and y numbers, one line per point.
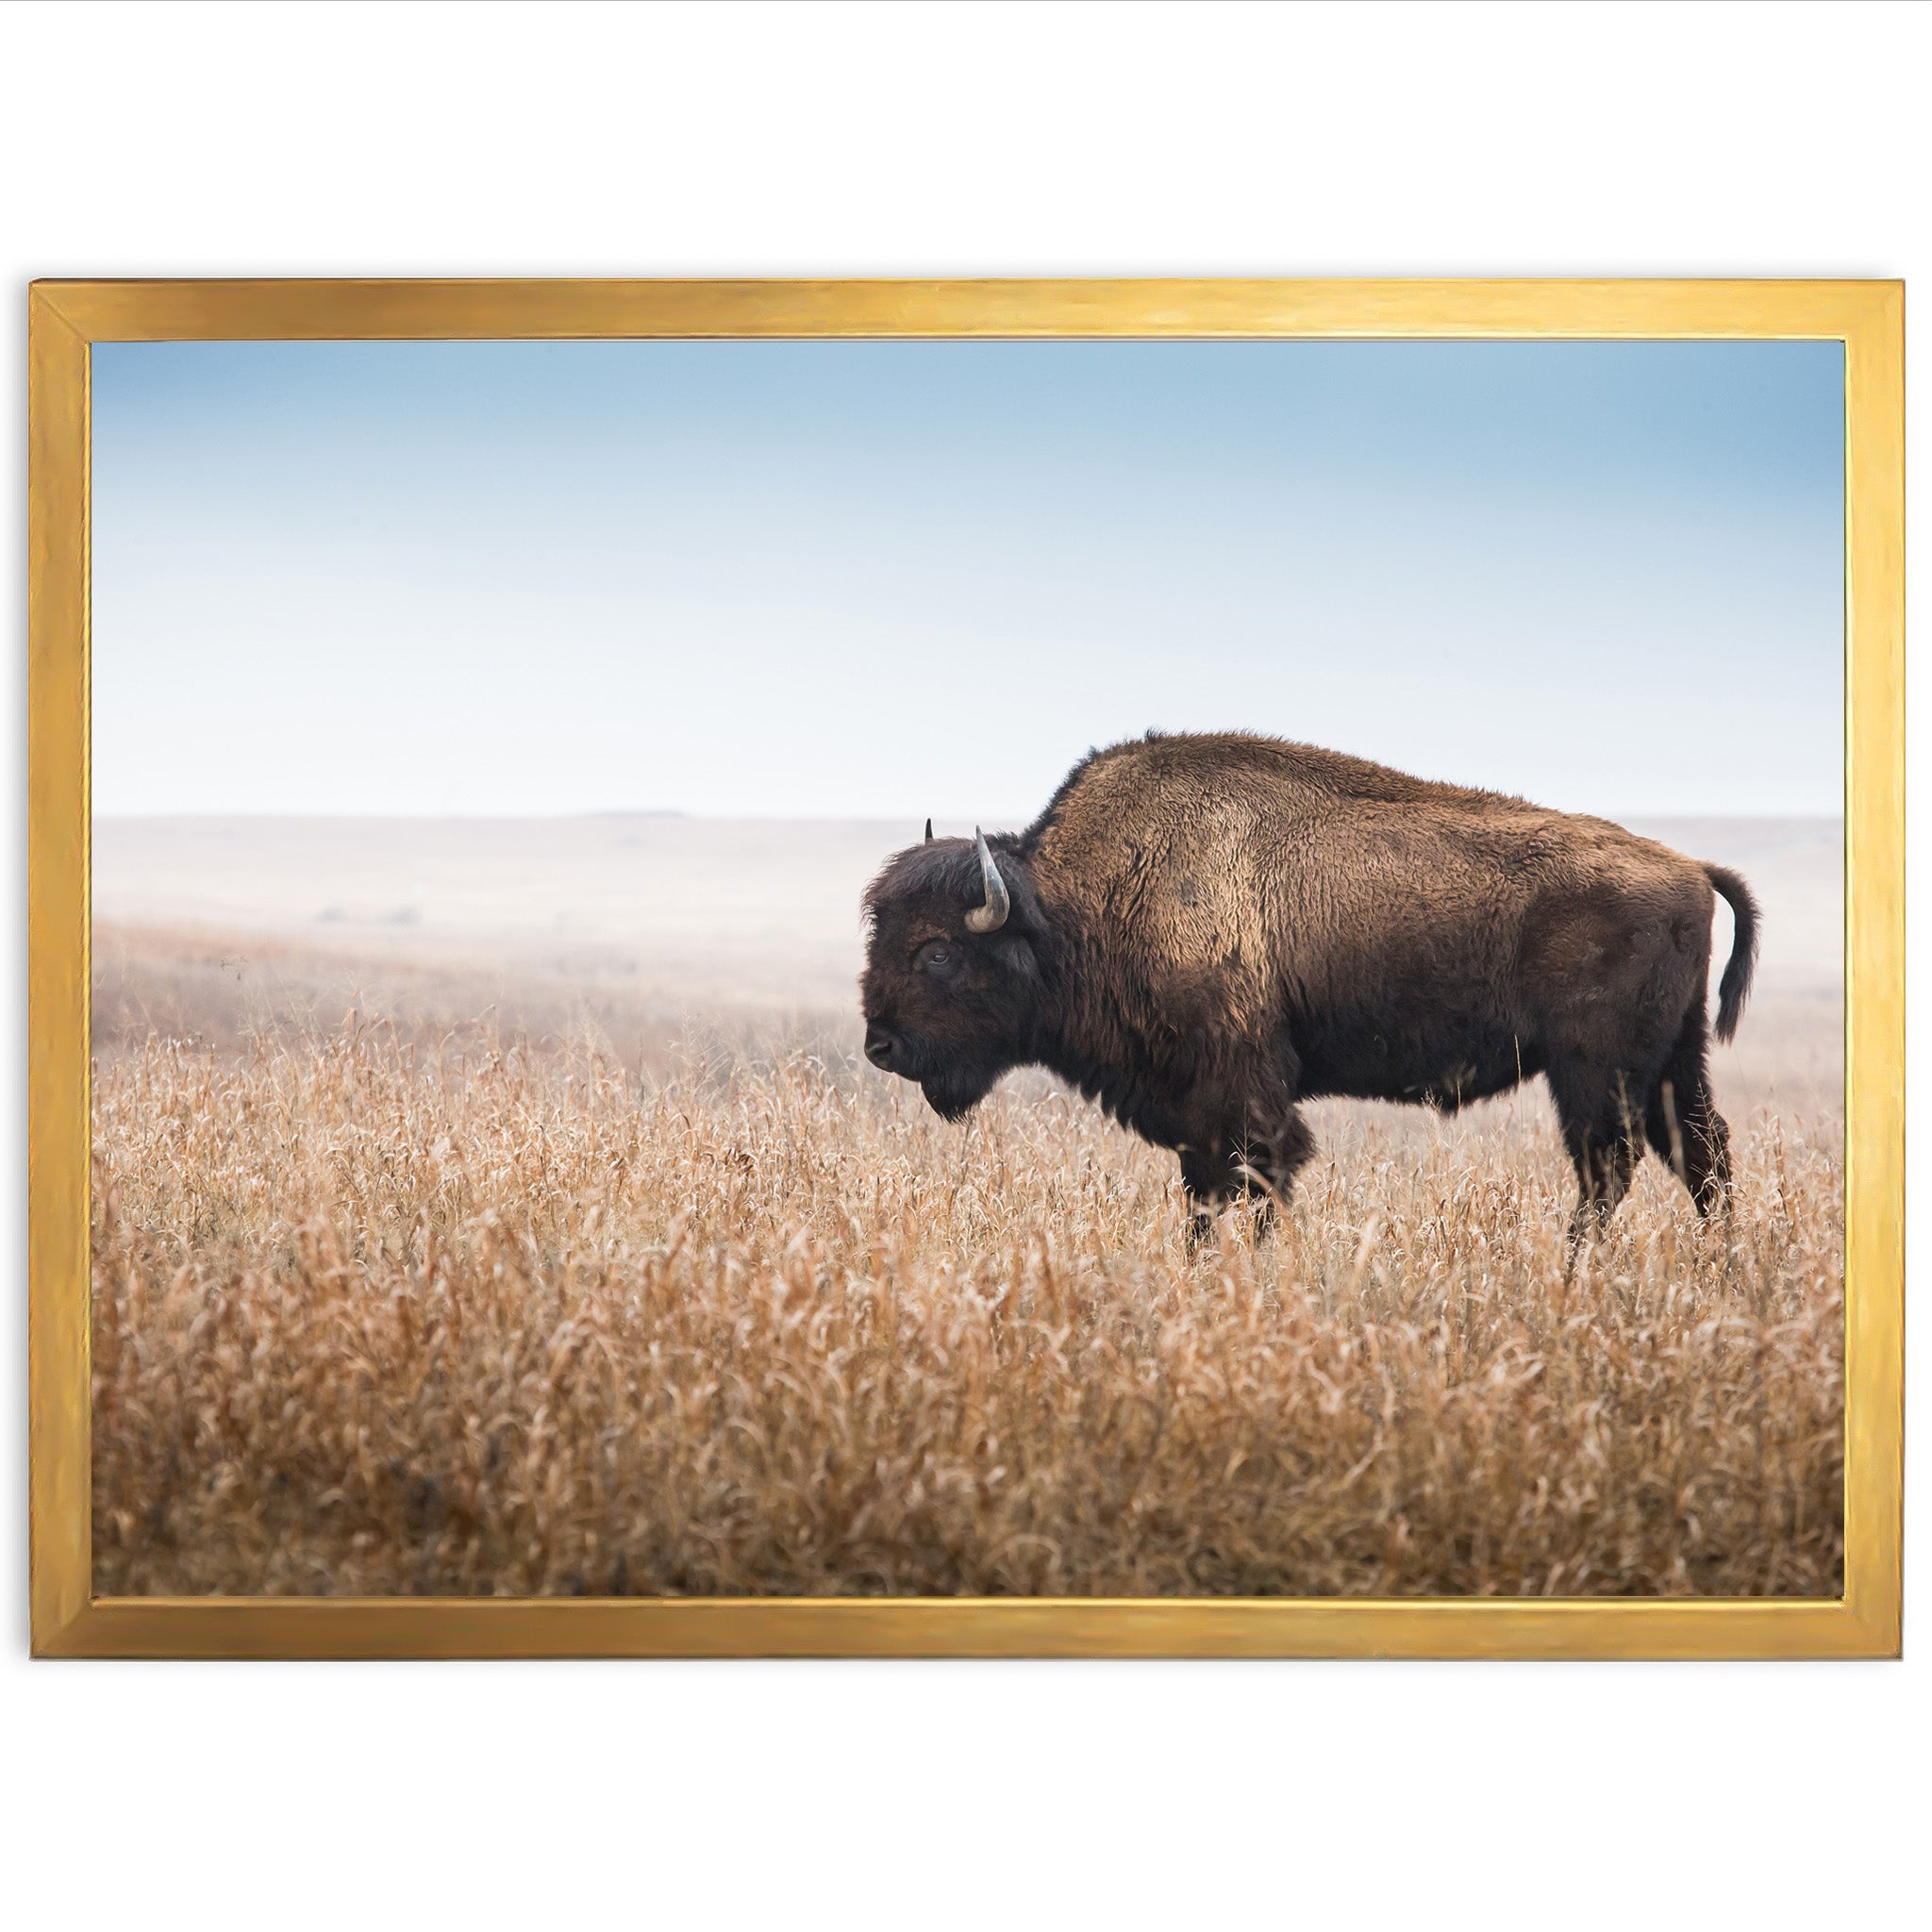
pixel 992 915
pixel 928 831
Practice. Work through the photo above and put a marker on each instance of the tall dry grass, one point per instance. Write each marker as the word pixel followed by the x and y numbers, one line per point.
pixel 373 1319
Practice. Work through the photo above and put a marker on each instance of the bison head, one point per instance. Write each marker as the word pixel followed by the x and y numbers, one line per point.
pixel 952 983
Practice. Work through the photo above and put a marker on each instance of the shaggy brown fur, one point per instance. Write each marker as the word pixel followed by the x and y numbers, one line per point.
pixel 1207 930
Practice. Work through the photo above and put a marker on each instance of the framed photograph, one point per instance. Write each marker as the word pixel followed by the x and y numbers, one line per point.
pixel 977 967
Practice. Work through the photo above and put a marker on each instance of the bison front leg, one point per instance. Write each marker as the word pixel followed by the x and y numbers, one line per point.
pixel 1279 1150
pixel 1207 1178
pixel 1256 1160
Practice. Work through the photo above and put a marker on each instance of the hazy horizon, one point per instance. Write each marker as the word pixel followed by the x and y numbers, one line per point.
pixel 877 579
pixel 701 911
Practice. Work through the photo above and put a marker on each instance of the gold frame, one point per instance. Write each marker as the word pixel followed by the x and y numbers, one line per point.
pixel 66 317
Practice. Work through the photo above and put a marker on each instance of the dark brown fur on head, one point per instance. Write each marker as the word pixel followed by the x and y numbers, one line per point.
pixel 948 1007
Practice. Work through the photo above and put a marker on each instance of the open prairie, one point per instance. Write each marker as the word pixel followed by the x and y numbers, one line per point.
pixel 505 1208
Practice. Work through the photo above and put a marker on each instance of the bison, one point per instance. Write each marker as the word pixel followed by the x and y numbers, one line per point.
pixel 1200 932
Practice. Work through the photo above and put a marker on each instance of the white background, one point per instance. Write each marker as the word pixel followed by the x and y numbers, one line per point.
pixel 1736 140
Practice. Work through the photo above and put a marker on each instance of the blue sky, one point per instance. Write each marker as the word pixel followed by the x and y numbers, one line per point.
pixel 882 579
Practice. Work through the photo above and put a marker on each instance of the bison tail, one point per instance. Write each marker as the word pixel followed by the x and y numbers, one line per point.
pixel 1734 986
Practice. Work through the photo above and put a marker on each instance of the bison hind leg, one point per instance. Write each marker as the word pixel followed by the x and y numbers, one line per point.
pixel 1603 1128
pixel 1683 1126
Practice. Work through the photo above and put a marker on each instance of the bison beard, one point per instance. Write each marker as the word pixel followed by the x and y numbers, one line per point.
pixel 1200 932
pixel 953 1093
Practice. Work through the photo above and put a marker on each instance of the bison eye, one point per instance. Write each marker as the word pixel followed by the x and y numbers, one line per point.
pixel 934 956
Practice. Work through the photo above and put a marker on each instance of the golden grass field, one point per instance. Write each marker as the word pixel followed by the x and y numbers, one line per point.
pixel 573 1298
